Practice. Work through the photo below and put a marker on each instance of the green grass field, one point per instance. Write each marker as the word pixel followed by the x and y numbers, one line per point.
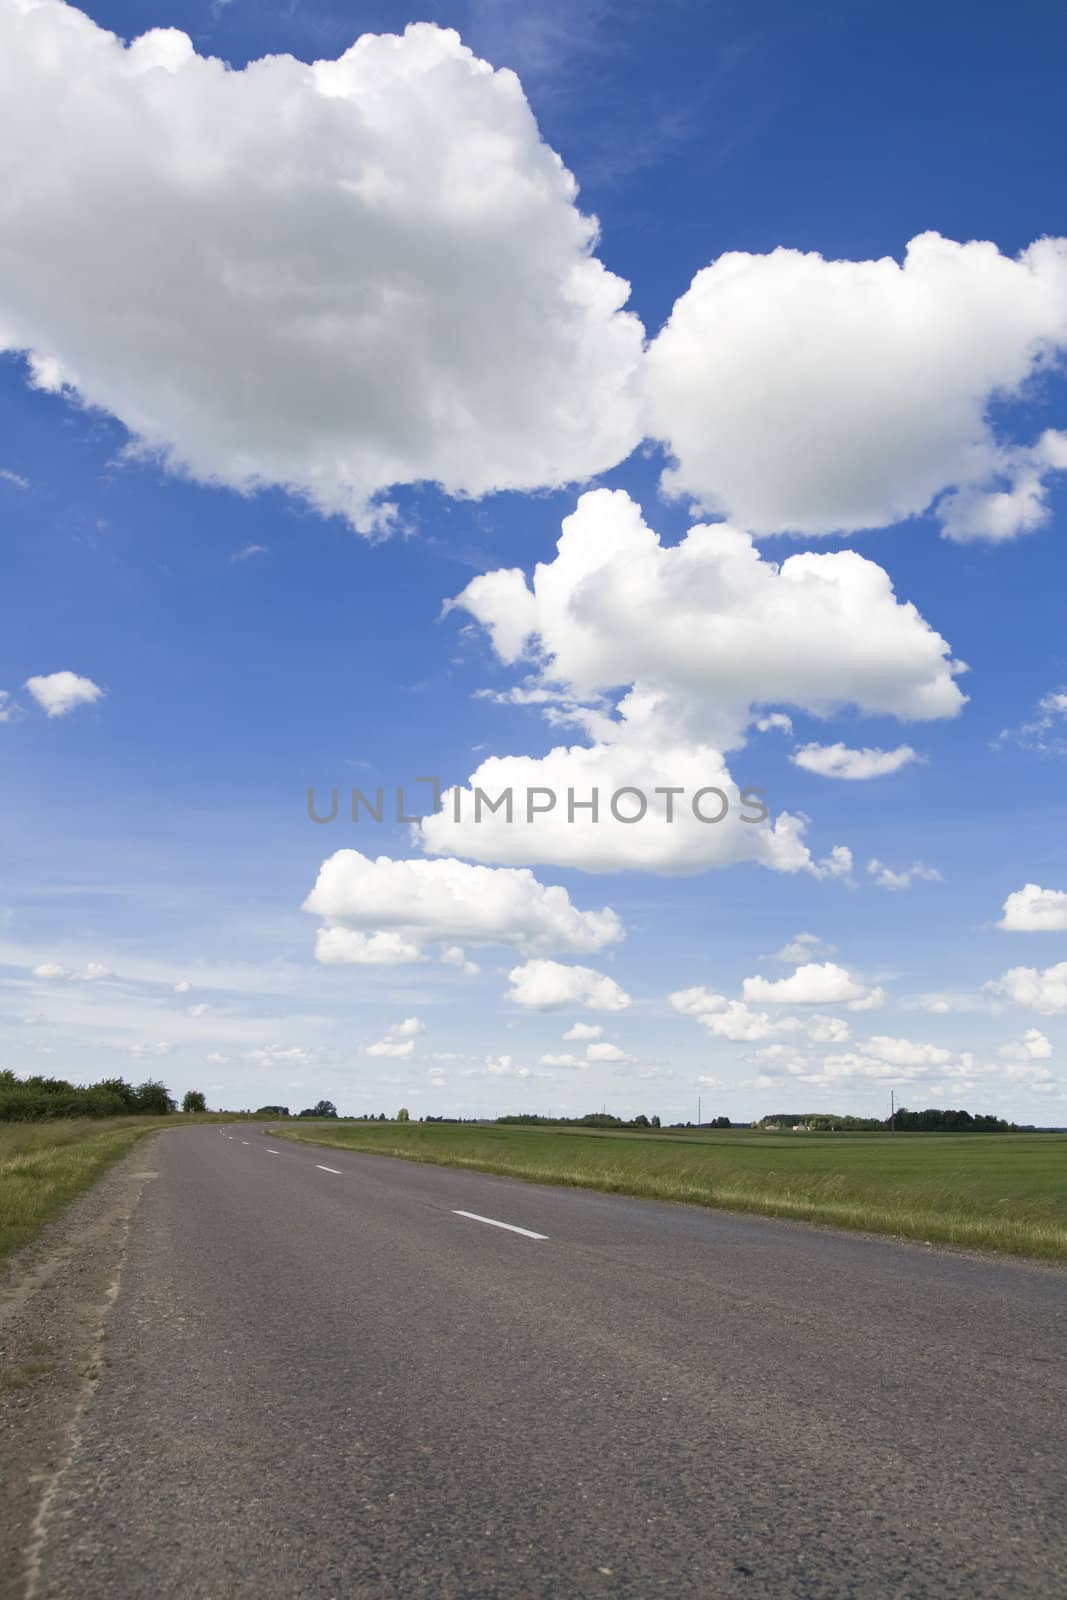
pixel 45 1165
pixel 1003 1192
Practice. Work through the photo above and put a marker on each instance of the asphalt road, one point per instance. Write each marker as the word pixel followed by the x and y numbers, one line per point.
pixel 324 1381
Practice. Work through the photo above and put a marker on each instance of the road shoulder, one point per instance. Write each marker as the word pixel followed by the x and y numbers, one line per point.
pixel 55 1298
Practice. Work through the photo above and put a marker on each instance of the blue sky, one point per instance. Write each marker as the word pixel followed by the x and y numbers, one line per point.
pixel 252 641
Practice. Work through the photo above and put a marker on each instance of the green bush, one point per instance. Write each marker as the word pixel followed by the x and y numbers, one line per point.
pixel 38 1099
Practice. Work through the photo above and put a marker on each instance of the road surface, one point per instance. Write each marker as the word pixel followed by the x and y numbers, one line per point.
pixel 332 1374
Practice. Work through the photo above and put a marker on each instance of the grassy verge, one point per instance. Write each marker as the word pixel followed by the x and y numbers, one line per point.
pixel 46 1165
pixel 1005 1192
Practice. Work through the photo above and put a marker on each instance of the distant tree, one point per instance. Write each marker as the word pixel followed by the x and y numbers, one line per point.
pixel 125 1091
pixel 324 1108
pixel 641 1121
pixel 152 1099
pixel 100 1102
pixel 654 1123
pixel 381 1116
pixel 194 1101
pixel 274 1111
pixel 719 1122
pixel 403 1115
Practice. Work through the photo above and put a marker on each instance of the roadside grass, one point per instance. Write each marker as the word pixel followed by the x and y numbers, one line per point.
pixel 999 1191
pixel 46 1165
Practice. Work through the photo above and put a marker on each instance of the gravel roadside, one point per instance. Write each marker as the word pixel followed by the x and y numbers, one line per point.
pixel 55 1298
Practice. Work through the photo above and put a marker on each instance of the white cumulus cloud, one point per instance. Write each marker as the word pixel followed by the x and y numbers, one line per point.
pixel 57 693
pixel 1034 1046
pixel 708 629
pixel 838 761
pixel 698 1001
pixel 583 1030
pixel 397 286
pixel 740 1024
pixel 605 1051
pixel 337 946
pixel 813 984
pixel 1032 909
pixel 1036 989
pixel 504 1067
pixel 556 827
pixel 547 985
pixel 385 910
pixel 700 635
pixel 803 395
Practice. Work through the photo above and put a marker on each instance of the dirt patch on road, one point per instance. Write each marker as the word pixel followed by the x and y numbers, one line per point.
pixel 55 1297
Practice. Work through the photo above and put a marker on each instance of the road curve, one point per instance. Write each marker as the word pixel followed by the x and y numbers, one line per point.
pixel 337 1375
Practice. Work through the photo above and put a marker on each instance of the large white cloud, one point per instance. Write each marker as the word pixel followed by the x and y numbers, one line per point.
pixel 386 910
pixel 568 834
pixel 1043 990
pixel 813 984
pixel 707 629
pixel 547 985
pixel 805 395
pixel 662 656
pixel 1032 909
pixel 335 277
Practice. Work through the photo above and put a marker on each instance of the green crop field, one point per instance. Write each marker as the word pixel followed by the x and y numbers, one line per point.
pixel 995 1191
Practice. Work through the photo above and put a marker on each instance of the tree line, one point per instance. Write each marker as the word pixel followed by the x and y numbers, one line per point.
pixel 36 1099
pixel 902 1120
pixel 934 1121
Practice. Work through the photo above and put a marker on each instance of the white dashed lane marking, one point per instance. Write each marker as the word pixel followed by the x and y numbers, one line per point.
pixel 491 1222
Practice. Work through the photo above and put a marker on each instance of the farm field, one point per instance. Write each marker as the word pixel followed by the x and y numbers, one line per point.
pixel 1005 1192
